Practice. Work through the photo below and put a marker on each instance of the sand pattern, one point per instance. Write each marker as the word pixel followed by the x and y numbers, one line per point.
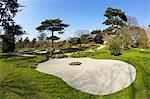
pixel 94 76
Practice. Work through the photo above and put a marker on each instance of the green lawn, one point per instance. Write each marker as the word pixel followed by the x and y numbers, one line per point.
pixel 28 83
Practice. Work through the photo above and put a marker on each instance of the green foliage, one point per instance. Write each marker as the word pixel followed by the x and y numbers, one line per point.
pixel 99 38
pixel 81 54
pixel 109 31
pixel 69 50
pixel 114 22
pixel 8 39
pixel 115 47
pixel 22 61
pixel 111 12
pixel 116 18
pixel 53 38
pixel 75 40
pixel 40 59
pixel 52 25
pixel 96 32
pixel 83 38
pixel 7 11
pixel 8 42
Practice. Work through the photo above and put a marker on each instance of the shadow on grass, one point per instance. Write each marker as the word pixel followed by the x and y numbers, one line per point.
pixel 6 55
pixel 27 83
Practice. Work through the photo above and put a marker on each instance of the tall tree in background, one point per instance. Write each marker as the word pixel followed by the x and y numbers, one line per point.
pixel 99 36
pixel 26 42
pixel 33 42
pixel 115 19
pixel 19 44
pixel 53 25
pixel 96 32
pixel 8 10
pixel 8 39
pixel 83 38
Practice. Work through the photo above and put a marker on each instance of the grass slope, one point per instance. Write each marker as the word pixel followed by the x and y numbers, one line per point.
pixel 140 89
pixel 28 83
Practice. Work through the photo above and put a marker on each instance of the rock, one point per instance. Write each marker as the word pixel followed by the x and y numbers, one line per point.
pixel 41 52
pixel 75 63
pixel 27 52
pixel 57 52
pixel 35 51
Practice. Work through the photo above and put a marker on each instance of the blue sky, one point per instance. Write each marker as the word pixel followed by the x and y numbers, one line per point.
pixel 79 14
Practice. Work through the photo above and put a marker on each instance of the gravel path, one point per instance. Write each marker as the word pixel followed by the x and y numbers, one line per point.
pixel 90 50
pixel 98 77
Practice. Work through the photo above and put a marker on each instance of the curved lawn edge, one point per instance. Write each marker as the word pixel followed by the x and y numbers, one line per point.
pixel 74 76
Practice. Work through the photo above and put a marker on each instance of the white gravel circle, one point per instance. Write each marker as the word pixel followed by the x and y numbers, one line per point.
pixel 94 76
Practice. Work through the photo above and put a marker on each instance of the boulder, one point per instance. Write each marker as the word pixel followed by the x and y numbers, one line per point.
pixel 75 63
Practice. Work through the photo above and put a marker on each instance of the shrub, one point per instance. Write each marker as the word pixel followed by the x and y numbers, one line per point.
pixel 115 47
pixel 99 38
pixel 69 50
pixel 40 59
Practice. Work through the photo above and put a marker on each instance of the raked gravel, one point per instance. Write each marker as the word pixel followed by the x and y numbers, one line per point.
pixel 94 76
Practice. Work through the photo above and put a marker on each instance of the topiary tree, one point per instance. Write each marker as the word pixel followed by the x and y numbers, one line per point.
pixel 53 25
pixel 115 19
pixel 54 38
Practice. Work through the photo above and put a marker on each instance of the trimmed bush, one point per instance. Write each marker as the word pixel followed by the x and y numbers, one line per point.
pixel 115 47
pixel 69 50
pixel 40 59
